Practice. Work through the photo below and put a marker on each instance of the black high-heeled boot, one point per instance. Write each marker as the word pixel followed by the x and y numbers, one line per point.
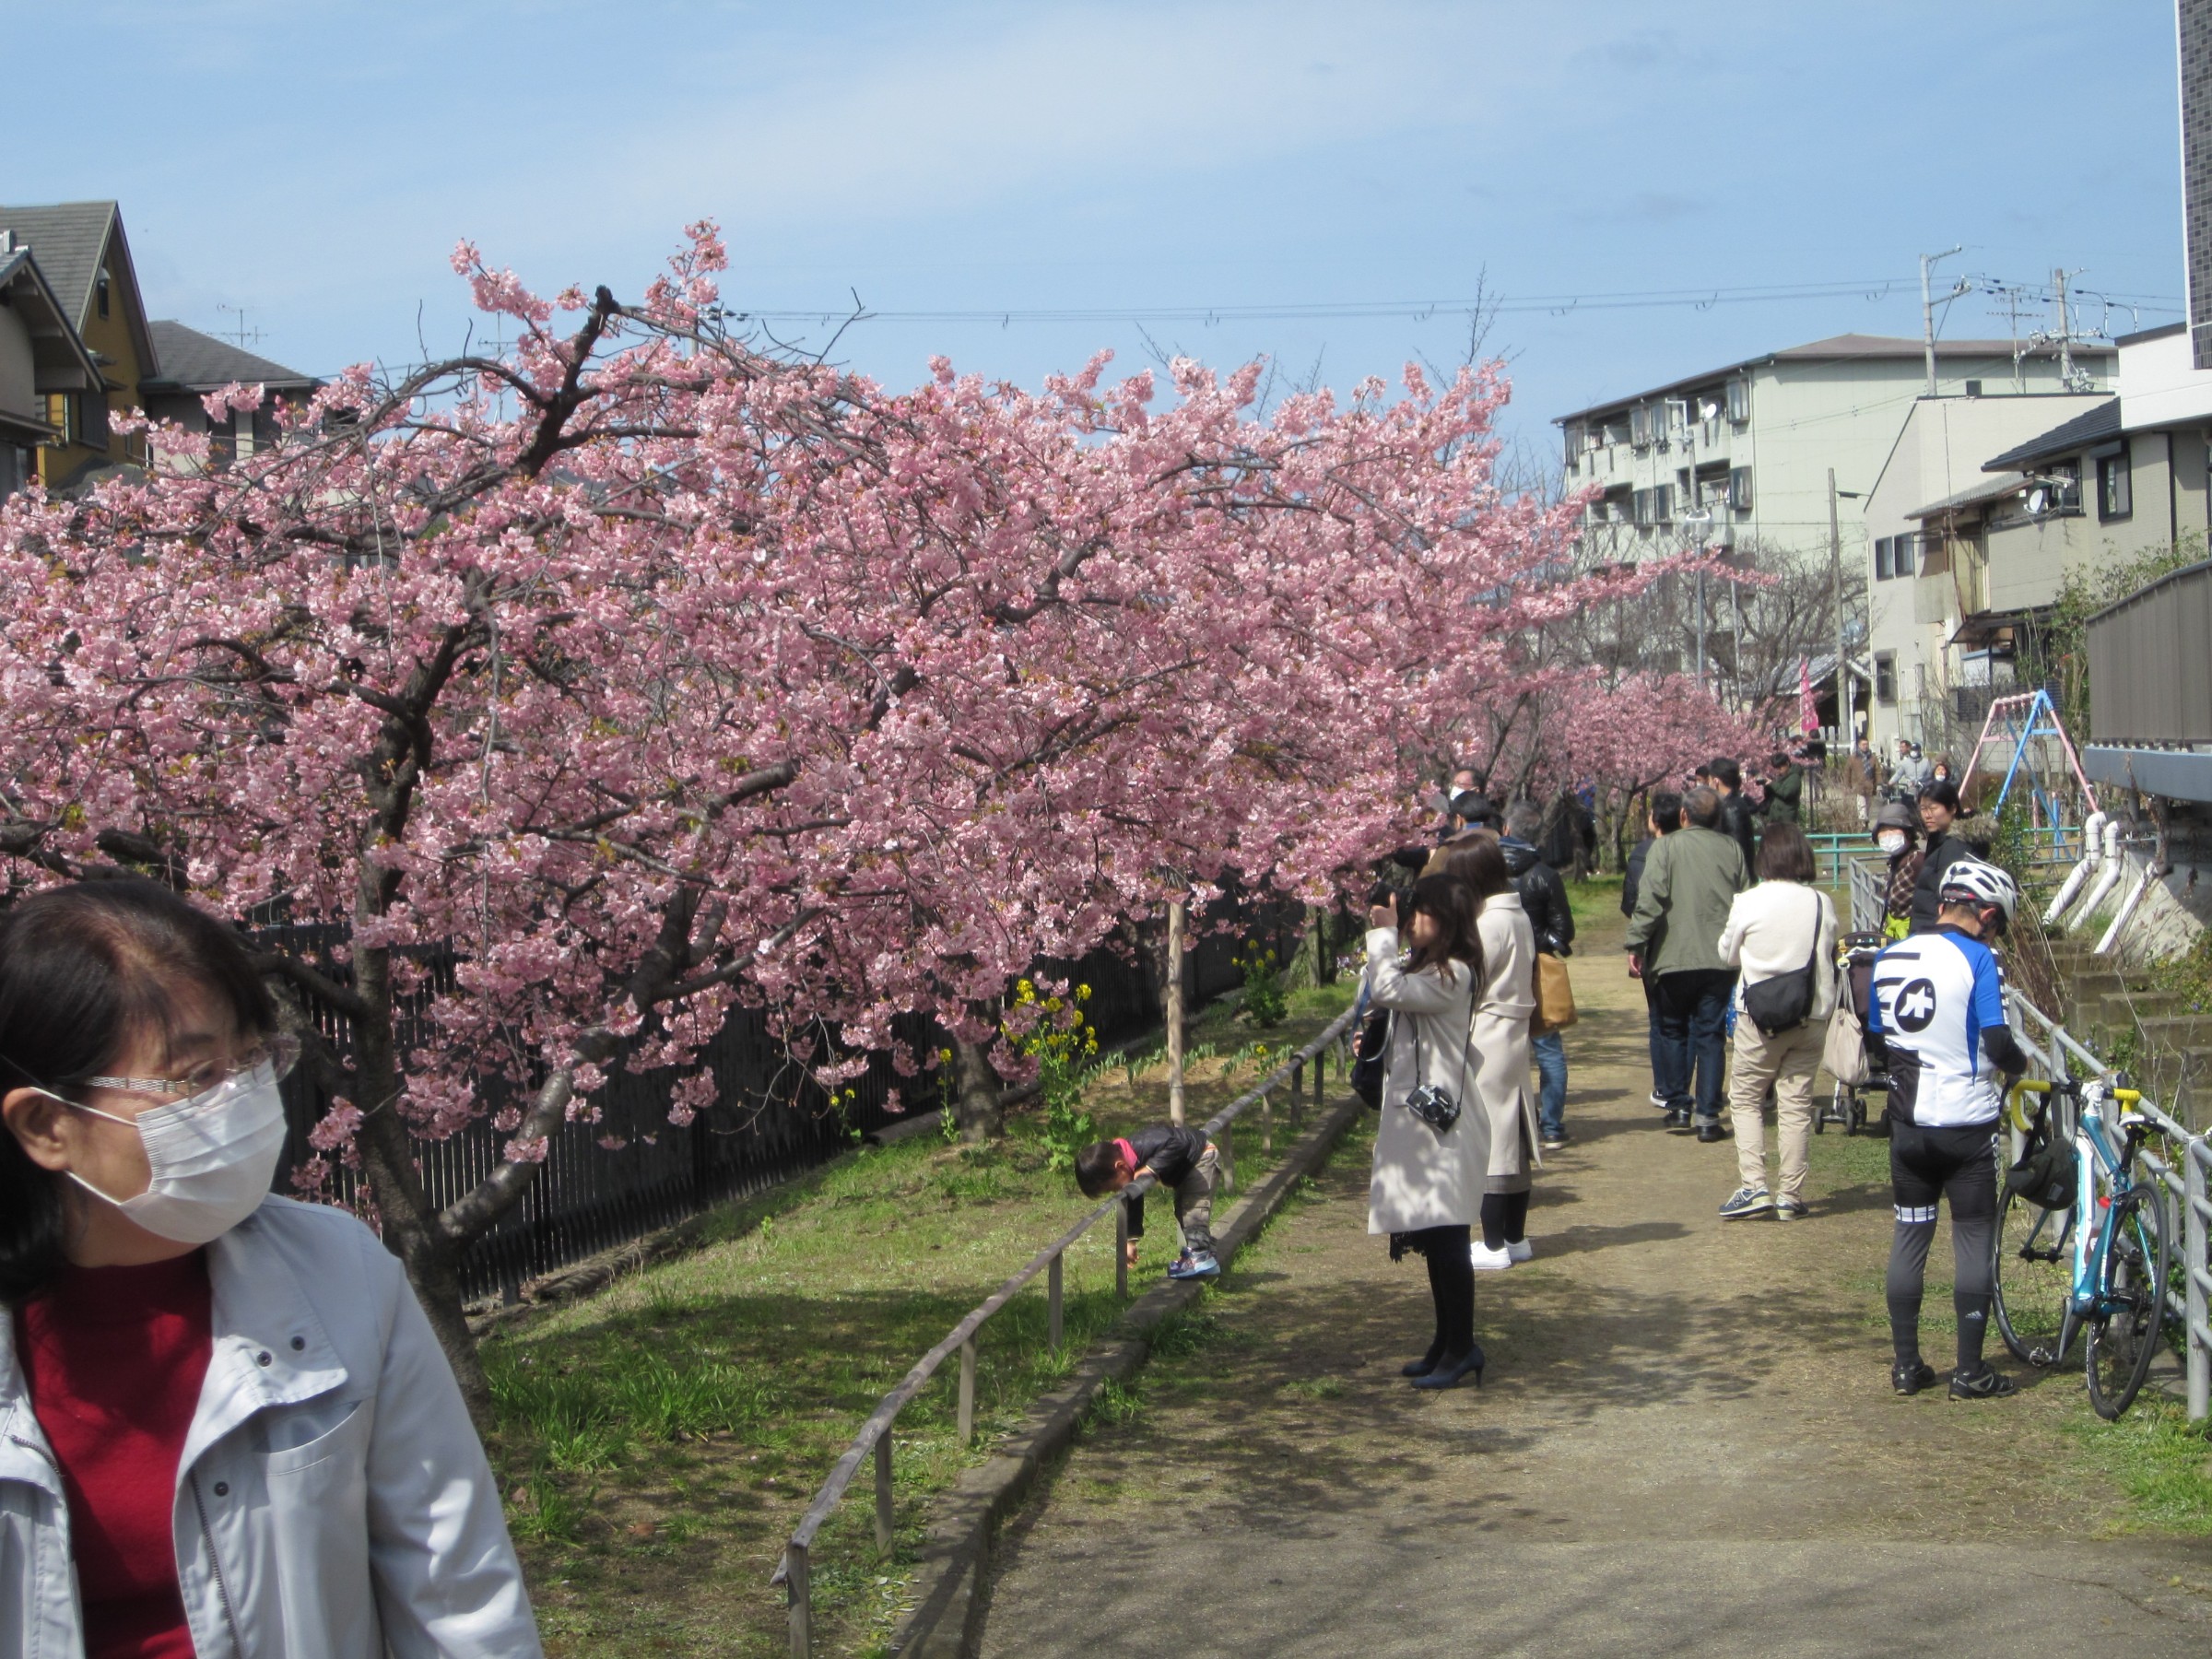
pixel 1450 1369
pixel 1425 1363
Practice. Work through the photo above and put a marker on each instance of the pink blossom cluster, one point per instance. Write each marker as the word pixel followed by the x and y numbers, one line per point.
pixel 709 676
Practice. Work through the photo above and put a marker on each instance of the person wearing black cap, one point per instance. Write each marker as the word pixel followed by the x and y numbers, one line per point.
pixel 1938 811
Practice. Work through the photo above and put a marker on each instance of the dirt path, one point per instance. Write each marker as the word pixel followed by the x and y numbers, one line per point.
pixel 1687 1443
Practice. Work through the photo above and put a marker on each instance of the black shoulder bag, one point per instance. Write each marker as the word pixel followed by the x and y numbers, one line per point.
pixel 1784 1002
pixel 1369 1056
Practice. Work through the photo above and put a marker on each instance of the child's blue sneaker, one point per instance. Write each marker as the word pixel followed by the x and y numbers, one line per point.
pixel 1189 1266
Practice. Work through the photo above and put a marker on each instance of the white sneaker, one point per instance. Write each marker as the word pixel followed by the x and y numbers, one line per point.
pixel 1488 1260
pixel 1520 1249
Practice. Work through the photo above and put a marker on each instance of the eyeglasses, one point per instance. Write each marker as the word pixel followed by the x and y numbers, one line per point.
pixel 280 1054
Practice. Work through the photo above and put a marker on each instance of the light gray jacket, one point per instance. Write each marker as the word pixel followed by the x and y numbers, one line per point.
pixel 333 1501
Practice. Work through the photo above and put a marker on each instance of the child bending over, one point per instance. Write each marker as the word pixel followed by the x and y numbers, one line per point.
pixel 1181 1160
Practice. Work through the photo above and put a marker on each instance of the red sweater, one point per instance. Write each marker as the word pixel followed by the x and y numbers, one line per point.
pixel 115 1358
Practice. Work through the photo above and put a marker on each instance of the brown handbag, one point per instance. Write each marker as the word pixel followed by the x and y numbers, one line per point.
pixel 1554 996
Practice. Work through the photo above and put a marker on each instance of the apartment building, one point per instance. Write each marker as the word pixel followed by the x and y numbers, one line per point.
pixel 1752 442
pixel 1942 611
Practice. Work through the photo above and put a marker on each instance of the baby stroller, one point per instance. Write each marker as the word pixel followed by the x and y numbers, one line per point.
pixel 1847 1104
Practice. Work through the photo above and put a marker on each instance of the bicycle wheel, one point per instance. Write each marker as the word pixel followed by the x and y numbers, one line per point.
pixel 2034 1279
pixel 2131 1301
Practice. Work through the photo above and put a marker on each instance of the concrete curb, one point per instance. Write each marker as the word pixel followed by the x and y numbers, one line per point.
pixel 950 1581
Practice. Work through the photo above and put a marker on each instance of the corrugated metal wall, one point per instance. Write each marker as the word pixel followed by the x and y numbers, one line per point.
pixel 2150 664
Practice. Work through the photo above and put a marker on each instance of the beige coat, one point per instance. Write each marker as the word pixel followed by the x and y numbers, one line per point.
pixel 1502 1059
pixel 1423 1179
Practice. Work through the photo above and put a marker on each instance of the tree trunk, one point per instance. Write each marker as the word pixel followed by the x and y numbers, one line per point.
pixel 409 1225
pixel 433 1262
pixel 977 1111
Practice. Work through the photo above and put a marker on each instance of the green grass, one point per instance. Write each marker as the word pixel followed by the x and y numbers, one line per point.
pixel 658 1441
pixel 2153 1456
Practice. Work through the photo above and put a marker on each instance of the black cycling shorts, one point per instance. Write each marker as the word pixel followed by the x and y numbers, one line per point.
pixel 1958 1165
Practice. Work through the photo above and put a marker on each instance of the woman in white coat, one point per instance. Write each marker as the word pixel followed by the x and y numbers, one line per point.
pixel 1426 1185
pixel 225 1425
pixel 1778 927
pixel 1503 1053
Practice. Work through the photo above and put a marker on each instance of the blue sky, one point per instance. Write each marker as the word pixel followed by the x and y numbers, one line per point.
pixel 314 163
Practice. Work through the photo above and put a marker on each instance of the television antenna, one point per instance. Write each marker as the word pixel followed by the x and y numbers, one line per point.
pixel 242 336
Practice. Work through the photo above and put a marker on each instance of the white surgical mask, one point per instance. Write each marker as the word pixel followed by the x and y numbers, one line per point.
pixel 1894 842
pixel 211 1157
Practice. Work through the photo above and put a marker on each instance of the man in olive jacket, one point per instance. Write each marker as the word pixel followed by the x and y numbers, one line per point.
pixel 1691 879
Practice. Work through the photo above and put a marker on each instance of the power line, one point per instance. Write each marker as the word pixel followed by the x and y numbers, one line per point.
pixel 1418 311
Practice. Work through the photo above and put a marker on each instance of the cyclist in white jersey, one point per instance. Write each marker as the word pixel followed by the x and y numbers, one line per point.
pixel 1938 1005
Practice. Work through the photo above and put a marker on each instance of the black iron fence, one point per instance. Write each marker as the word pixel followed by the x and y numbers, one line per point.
pixel 633 1171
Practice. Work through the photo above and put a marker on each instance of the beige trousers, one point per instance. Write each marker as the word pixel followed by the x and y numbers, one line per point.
pixel 1785 1062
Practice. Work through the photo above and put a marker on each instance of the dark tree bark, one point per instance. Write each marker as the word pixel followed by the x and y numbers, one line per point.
pixel 979 1113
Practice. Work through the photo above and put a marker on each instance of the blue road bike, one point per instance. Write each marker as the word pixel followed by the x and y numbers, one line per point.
pixel 2098 1265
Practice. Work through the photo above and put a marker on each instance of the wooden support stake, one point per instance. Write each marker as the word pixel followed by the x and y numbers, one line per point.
pixel 802 1601
pixel 1174 1013
pixel 1121 1251
pixel 883 1513
pixel 1266 1124
pixel 1051 1301
pixel 1226 1146
pixel 968 1393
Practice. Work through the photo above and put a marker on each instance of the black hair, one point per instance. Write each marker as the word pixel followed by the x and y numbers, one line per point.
pixel 1095 1166
pixel 1452 902
pixel 1944 793
pixel 1778 759
pixel 1727 773
pixel 1666 810
pixel 83 971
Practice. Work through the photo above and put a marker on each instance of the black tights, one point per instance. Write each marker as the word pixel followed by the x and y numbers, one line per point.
pixel 1451 1284
pixel 1959 1167
pixel 1504 1219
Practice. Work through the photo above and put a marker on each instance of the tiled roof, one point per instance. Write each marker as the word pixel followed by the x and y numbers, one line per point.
pixel 67 238
pixel 193 361
pixel 2096 426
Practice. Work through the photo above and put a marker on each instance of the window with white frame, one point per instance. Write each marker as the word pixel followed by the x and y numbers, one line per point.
pixel 2115 486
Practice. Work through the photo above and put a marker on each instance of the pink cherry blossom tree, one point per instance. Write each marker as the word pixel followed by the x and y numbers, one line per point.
pixel 715 674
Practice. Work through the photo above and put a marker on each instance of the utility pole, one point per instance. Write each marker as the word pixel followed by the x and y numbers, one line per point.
pixel 2066 332
pixel 1927 311
pixel 1848 735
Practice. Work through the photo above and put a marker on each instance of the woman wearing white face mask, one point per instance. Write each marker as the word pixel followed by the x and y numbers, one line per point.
pixel 225 1426
pixel 1897 833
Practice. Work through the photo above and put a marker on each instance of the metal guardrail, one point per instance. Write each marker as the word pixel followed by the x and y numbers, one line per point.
pixel 2187 1192
pixel 1836 850
pixel 875 1437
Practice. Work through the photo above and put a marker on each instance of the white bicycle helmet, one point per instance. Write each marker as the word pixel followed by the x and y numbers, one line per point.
pixel 1981 884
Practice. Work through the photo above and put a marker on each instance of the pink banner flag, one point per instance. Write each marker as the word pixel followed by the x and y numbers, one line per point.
pixel 1808 712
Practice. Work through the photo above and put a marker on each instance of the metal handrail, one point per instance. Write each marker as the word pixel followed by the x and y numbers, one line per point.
pixel 2188 1193
pixel 792 1571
